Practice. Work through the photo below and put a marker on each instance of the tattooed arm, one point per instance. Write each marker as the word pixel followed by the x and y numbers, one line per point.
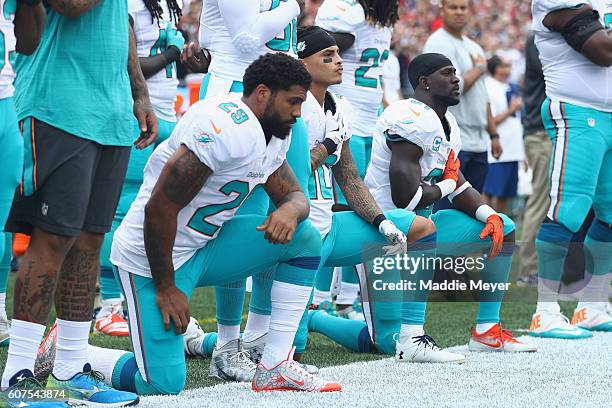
pixel 143 110
pixel 179 182
pixel 72 8
pixel 357 194
pixel 291 205
pixel 318 154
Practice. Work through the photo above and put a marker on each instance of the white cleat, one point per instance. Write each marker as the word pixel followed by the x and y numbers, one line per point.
pixel 592 317
pixel 498 339
pixel 193 338
pixel 232 363
pixel 350 313
pixel 552 324
pixel 288 375
pixel 423 349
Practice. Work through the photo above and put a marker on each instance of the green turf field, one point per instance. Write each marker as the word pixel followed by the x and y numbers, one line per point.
pixel 447 322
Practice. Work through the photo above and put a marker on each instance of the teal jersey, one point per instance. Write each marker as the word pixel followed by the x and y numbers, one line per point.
pixel 77 80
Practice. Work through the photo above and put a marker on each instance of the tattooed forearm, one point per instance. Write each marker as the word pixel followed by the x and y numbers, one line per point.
pixel 140 93
pixel 180 181
pixel 357 194
pixel 318 154
pixel 76 286
pixel 34 290
pixel 283 188
pixel 72 8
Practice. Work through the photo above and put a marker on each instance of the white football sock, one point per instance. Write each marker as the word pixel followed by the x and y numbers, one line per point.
pixel 25 339
pixel 225 334
pixel 348 293
pixel 320 297
pixel 257 325
pixel 483 327
pixel 109 306
pixel 596 290
pixel 548 295
pixel 408 331
pixel 3 302
pixel 104 361
pixel 288 305
pixel 71 349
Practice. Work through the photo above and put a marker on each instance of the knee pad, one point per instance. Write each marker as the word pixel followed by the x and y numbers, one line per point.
pixel 600 231
pixel 307 239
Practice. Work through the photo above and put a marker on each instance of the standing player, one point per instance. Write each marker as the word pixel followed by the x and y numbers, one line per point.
pixel 363 30
pixel 159 46
pixel 21 24
pixel 414 166
pixel 76 100
pixel 575 45
pixel 236 33
pixel 182 232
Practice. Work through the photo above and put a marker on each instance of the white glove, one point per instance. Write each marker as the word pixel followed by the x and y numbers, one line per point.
pixel 396 238
pixel 333 129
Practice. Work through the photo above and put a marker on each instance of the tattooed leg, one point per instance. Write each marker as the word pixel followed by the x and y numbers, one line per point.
pixel 37 276
pixel 76 286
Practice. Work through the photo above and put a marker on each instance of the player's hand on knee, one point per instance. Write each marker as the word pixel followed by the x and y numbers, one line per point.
pixel 451 171
pixel 494 229
pixel 396 238
pixel 174 307
pixel 279 226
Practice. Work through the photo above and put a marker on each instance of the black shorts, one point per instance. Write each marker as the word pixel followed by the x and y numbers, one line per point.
pixel 69 184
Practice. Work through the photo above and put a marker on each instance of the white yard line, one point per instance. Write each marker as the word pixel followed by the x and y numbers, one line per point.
pixel 562 373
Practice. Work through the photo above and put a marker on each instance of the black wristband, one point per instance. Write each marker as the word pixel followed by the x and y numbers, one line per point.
pixel 172 54
pixel 330 145
pixel 30 2
pixel 378 220
pixel 494 136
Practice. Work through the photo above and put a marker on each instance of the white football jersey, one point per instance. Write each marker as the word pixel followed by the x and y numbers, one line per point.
pixel 227 137
pixel 151 40
pixel 7 45
pixel 227 61
pixel 363 62
pixel 570 77
pixel 417 123
pixel 320 183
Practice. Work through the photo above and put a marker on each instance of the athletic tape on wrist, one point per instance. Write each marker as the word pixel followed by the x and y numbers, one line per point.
pixel 484 212
pixel 459 190
pixel 415 200
pixel 447 186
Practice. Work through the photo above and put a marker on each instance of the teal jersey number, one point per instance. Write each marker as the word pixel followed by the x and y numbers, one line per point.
pixel 377 60
pixel 434 176
pixel 8 9
pixel 238 115
pixel 288 39
pixel 320 184
pixel 159 47
pixel 608 20
pixel 198 220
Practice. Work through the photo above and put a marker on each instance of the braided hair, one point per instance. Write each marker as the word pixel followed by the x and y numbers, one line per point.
pixel 382 12
pixel 156 10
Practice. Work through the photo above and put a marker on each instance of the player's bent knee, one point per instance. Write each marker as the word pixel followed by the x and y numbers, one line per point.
pixel 307 238
pixel 421 227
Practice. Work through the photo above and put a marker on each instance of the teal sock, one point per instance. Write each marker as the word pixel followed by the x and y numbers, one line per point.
pixel 5 262
pixel 208 345
pixel 323 279
pixel 229 302
pixel 109 287
pixel 349 275
pixel 260 302
pixel 414 302
pixel 551 245
pixel 126 377
pixel 496 271
pixel 352 334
